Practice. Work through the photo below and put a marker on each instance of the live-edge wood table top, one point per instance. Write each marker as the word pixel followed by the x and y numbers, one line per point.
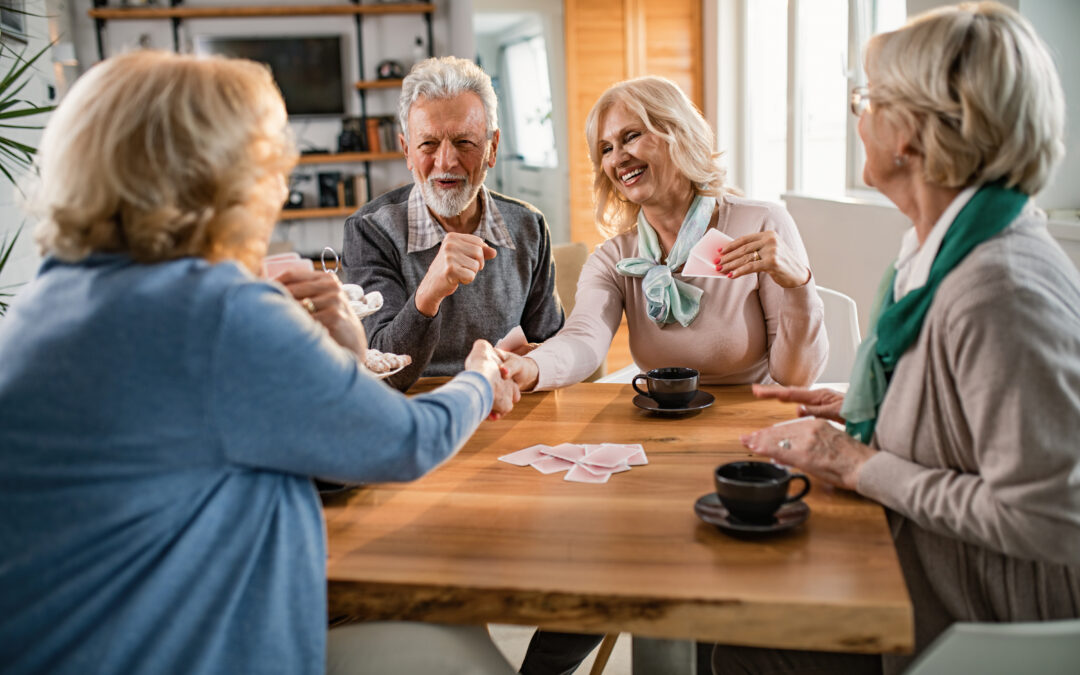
pixel 478 540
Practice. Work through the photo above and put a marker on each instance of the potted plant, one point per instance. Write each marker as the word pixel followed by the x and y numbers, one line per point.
pixel 15 156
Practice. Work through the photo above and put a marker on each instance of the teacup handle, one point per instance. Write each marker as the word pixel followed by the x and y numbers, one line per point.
pixel 633 383
pixel 802 493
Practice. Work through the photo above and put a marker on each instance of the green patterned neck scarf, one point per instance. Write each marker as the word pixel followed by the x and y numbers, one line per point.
pixel 895 325
pixel 668 299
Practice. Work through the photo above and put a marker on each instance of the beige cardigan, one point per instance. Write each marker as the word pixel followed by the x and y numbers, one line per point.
pixel 747 330
pixel 980 440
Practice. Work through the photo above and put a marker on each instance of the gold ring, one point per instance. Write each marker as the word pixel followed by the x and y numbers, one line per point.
pixel 757 256
pixel 308 305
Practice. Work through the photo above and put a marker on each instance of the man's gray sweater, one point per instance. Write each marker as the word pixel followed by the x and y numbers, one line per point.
pixel 517 287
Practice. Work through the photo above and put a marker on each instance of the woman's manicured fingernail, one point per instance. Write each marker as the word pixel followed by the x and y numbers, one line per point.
pixel 730 275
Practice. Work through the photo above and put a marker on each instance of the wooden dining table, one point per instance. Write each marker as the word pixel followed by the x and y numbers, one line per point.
pixel 481 541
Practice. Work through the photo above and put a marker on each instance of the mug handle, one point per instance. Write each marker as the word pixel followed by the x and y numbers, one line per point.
pixel 802 493
pixel 633 383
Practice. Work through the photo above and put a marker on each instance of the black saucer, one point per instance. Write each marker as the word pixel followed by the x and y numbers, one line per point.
pixel 701 400
pixel 709 509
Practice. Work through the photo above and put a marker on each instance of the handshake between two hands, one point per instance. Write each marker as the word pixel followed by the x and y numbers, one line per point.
pixel 492 362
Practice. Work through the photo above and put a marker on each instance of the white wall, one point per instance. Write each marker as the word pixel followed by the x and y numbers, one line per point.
pixel 25 260
pixel 547 189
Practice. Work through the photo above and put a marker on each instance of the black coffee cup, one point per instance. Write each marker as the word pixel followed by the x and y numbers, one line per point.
pixel 669 387
pixel 753 491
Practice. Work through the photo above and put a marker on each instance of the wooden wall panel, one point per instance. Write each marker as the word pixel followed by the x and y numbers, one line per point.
pixel 595 59
pixel 612 40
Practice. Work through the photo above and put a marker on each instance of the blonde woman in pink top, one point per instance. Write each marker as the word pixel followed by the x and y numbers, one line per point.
pixel 658 188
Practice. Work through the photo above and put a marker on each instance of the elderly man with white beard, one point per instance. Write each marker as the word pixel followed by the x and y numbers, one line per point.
pixel 454 261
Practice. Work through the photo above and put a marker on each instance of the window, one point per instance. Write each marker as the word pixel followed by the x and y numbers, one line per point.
pixel 13 19
pixel 801 59
pixel 526 70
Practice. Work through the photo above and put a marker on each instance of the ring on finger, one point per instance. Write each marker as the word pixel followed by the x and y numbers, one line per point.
pixel 308 304
pixel 784 444
pixel 757 256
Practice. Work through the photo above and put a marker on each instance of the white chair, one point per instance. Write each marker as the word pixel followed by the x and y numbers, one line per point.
pixel 1043 647
pixel 621 376
pixel 842 327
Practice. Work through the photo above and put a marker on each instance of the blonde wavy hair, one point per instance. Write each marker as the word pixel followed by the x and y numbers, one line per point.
pixel 163 156
pixel 667 112
pixel 979 91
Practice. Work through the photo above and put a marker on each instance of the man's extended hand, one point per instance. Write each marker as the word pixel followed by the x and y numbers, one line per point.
pixel 487 361
pixel 459 260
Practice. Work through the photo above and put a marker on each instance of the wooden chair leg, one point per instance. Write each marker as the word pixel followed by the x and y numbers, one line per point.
pixel 604 653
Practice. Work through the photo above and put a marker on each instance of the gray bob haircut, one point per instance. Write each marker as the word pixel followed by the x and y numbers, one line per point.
pixel 980 90
pixel 447 77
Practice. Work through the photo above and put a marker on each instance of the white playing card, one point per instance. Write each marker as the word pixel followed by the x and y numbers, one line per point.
pixel 696 267
pixel 551 465
pixel 568 451
pixel 514 339
pixel 525 456
pixel 580 474
pixel 610 454
pixel 705 252
pixel 273 269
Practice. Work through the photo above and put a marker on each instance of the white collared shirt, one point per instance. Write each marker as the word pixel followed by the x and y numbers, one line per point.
pixel 425 231
pixel 914 261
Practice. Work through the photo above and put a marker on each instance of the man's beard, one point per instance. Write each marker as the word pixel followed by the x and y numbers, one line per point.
pixel 449 203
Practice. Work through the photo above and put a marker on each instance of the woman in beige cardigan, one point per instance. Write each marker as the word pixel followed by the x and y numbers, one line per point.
pixel 659 189
pixel 964 405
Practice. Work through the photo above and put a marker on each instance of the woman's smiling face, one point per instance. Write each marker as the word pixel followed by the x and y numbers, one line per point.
pixel 635 160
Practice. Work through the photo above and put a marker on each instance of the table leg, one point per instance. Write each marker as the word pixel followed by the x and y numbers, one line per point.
pixel 649 656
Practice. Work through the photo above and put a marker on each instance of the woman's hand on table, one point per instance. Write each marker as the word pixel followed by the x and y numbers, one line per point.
pixel 812 402
pixel 762 252
pixel 814 446
pixel 322 296
pixel 488 361
pixel 523 371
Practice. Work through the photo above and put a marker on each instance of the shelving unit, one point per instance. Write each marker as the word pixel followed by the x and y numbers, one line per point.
pixel 347 157
pixel 329 212
pixel 177 12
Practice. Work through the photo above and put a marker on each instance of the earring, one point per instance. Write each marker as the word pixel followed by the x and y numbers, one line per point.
pixel 899 160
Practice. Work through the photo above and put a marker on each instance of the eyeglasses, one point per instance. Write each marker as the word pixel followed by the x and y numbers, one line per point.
pixel 860 100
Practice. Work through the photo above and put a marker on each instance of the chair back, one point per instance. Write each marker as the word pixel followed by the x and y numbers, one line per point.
pixel 1043 647
pixel 569 259
pixel 842 327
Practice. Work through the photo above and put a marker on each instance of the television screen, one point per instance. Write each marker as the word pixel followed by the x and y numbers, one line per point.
pixel 307 69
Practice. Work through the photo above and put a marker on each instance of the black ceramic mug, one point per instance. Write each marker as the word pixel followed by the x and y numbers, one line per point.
pixel 753 491
pixel 669 387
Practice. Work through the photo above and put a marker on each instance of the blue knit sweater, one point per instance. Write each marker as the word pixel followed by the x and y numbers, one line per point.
pixel 159 425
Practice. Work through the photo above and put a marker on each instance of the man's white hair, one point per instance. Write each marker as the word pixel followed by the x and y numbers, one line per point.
pixel 447 77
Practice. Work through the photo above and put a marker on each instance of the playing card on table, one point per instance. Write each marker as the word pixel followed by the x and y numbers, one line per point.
pixel 579 474
pixel 525 456
pixel 610 454
pixel 551 465
pixel 568 451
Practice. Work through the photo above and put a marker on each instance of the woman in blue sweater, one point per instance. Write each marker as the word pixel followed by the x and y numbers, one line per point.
pixel 162 410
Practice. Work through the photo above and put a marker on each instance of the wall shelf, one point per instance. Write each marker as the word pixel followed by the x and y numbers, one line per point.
pixel 346 157
pixel 329 212
pixel 379 84
pixel 181 12
pixel 178 12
